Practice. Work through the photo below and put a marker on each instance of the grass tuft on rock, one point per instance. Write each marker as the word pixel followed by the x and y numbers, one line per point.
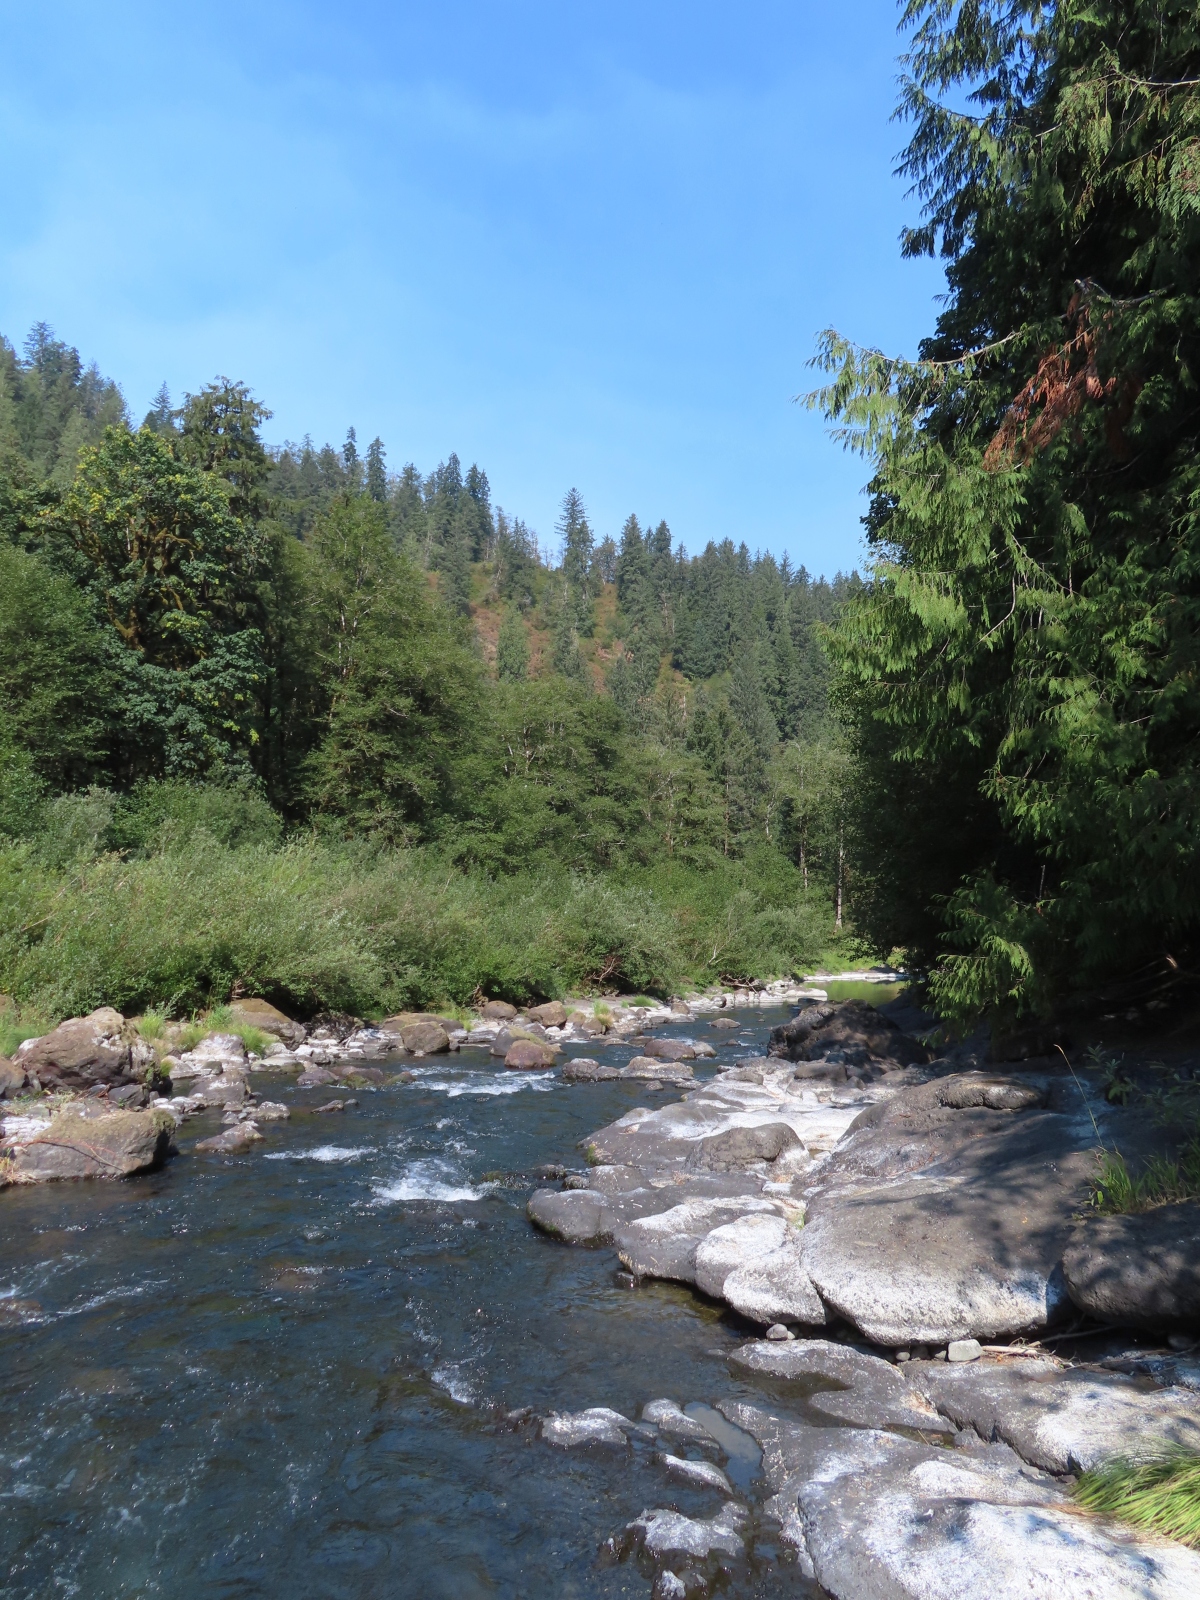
pixel 1162 1495
pixel 1117 1191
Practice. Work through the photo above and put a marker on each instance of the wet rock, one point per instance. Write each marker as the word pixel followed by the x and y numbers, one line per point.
pixel 1142 1270
pixel 271 1111
pixel 259 1013
pixel 577 1216
pixel 738 1148
pixel 84 1051
pixel 652 1069
pixel 425 1039
pixel 700 1474
pixel 333 1105
pixel 498 1011
pixel 667 1534
pixel 583 1069
pixel 528 1055
pixel 1064 1421
pixel 702 1051
pixel 95 1143
pixel 597 1425
pixel 669 1419
pixel 551 1015
pixel 874 1516
pixel 669 1050
pixel 315 1077
pixel 12 1077
pixel 239 1137
pixel 724 1022
pixel 870 1393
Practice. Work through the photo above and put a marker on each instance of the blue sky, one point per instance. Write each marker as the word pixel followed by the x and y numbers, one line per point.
pixel 582 243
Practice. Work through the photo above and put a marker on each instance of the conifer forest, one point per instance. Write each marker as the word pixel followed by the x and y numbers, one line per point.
pixel 337 729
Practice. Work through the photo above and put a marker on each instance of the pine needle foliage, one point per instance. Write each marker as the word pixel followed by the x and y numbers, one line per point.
pixel 1024 669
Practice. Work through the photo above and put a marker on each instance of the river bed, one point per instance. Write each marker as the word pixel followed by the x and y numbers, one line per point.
pixel 286 1373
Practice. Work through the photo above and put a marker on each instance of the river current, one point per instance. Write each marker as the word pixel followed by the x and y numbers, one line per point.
pixel 286 1373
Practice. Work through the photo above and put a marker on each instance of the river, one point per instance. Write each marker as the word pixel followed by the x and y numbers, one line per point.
pixel 286 1373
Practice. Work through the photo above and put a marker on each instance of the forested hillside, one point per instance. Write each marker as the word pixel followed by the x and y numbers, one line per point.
pixel 229 671
pixel 1021 673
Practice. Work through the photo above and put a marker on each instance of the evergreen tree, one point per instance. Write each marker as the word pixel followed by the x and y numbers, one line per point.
pixel 1027 654
pixel 161 416
pixel 377 484
pixel 512 649
pixel 218 433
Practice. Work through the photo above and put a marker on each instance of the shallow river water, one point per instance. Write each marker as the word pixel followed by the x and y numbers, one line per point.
pixel 284 1373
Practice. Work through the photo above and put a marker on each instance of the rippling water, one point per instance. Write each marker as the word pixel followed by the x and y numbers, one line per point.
pixel 282 1373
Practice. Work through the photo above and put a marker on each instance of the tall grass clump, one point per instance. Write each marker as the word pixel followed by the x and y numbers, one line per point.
pixel 1162 1494
pixel 1117 1191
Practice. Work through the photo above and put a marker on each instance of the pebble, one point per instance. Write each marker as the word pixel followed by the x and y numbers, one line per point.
pixel 778 1331
pixel 964 1350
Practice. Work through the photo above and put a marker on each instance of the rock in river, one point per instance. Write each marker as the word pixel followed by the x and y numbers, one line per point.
pixel 84 1051
pixel 425 1039
pixel 529 1055
pixel 113 1144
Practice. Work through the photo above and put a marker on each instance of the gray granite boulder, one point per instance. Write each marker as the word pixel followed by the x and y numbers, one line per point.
pixel 584 1069
pixel 934 1222
pixel 876 1516
pixel 1066 1420
pixel 754 1264
pixel 1141 1270
pixel 842 1383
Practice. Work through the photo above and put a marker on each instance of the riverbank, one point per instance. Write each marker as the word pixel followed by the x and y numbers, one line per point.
pixel 362 1297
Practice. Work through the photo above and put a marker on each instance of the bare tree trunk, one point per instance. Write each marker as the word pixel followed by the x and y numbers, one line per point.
pixel 840 873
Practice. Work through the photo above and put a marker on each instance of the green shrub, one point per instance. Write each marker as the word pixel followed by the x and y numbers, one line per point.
pixel 1161 1494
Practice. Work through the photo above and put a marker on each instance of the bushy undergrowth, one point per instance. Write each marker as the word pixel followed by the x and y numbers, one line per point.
pixel 315 926
pixel 1162 1494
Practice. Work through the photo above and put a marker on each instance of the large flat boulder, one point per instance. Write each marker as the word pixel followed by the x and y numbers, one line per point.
pixel 1141 1270
pixel 840 1382
pixel 99 1048
pixel 425 1039
pixel 935 1222
pixel 876 1516
pixel 1063 1420
pixel 669 1050
pixel 113 1144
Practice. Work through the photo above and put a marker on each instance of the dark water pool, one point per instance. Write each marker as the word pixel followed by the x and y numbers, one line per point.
pixel 282 1374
